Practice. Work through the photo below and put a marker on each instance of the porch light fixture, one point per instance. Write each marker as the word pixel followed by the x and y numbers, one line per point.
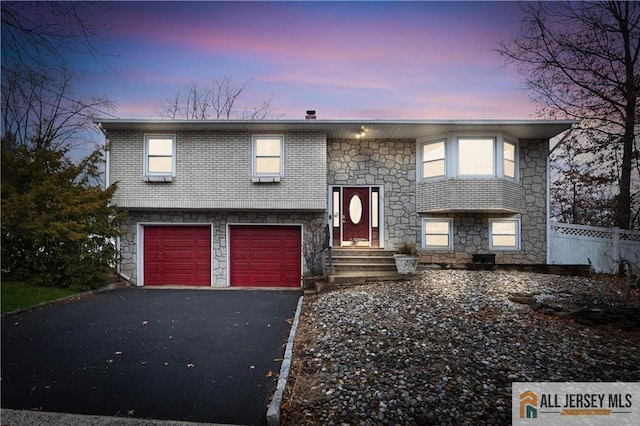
pixel 362 132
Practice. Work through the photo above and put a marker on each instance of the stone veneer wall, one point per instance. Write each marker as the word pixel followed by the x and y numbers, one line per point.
pixel 533 178
pixel 312 223
pixel 391 164
pixel 471 230
pixel 386 163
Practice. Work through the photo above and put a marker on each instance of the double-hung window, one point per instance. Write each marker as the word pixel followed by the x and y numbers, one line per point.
pixel 433 159
pixel 160 157
pixel 476 156
pixel 437 233
pixel 504 234
pixel 268 152
pixel 509 159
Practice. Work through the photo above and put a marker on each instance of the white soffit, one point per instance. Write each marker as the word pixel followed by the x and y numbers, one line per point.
pixel 350 129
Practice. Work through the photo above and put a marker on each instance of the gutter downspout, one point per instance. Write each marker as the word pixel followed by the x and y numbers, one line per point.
pixel 107 160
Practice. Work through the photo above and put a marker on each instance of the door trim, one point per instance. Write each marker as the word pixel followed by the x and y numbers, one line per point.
pixel 140 247
pixel 228 245
pixel 331 209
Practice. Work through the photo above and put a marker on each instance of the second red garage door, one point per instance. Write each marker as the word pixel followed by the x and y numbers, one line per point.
pixel 177 255
pixel 265 256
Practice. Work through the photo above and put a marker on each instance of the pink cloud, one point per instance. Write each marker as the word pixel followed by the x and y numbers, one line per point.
pixel 411 60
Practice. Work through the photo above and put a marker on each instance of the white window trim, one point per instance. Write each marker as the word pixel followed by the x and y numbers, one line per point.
pixel 159 177
pixel 452 160
pixel 421 160
pixel 424 230
pixel 494 155
pixel 516 160
pixel 266 177
pixel 504 248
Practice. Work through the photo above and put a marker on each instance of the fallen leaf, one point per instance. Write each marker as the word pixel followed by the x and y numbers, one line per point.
pixel 253 367
pixel 145 322
pixel 118 352
pixel 189 365
pixel 269 374
pixel 130 412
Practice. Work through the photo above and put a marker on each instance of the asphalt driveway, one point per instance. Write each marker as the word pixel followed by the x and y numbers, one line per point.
pixel 190 355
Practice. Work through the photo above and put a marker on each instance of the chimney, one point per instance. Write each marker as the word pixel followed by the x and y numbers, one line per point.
pixel 311 114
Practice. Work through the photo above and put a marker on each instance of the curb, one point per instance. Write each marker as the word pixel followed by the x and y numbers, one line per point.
pixel 273 412
pixel 38 418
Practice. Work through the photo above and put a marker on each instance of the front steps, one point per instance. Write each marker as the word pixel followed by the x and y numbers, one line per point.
pixel 355 265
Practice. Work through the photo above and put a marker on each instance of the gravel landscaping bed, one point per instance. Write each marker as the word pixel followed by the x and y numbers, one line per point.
pixel 445 347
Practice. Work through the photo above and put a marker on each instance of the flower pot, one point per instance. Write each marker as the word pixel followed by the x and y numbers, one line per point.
pixel 406 264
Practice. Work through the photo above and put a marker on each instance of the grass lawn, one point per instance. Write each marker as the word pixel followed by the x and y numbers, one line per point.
pixel 16 295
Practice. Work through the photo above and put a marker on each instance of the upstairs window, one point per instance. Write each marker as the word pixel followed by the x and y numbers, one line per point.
pixel 509 159
pixel 437 233
pixel 160 155
pixel 504 234
pixel 433 159
pixel 267 156
pixel 476 156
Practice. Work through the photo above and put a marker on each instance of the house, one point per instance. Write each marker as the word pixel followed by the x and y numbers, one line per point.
pixel 239 203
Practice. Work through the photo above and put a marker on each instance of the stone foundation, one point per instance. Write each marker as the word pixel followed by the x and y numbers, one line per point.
pixel 312 225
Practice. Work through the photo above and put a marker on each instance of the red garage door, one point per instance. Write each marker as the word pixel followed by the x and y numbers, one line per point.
pixel 265 256
pixel 177 255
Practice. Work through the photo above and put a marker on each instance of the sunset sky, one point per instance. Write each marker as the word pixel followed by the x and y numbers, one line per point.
pixel 393 60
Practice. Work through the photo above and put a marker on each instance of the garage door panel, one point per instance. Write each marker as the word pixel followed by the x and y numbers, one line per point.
pixel 178 255
pixel 187 245
pixel 265 255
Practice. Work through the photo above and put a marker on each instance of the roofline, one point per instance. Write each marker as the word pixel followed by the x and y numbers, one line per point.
pixel 347 129
pixel 334 121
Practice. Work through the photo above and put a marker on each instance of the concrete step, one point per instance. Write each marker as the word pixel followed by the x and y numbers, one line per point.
pixel 361 277
pixel 359 265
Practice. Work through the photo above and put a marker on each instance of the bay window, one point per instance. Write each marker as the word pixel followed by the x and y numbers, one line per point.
pixel 509 159
pixel 476 157
pixel 468 157
pixel 433 159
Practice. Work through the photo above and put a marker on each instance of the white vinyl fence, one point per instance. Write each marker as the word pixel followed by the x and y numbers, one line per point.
pixel 603 248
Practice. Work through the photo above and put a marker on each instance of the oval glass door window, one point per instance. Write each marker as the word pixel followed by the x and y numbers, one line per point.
pixel 355 209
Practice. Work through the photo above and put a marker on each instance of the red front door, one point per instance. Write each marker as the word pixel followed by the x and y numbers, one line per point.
pixel 355 209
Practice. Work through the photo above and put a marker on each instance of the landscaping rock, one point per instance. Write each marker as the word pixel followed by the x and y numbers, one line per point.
pixel 445 347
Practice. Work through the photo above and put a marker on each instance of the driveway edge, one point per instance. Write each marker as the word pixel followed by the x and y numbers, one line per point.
pixel 64 299
pixel 273 412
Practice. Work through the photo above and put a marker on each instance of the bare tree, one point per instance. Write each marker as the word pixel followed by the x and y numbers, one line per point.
pixel 582 192
pixel 580 60
pixel 37 35
pixel 38 102
pixel 219 100
pixel 37 106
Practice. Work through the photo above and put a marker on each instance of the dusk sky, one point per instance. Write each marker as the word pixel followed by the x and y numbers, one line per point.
pixel 373 60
